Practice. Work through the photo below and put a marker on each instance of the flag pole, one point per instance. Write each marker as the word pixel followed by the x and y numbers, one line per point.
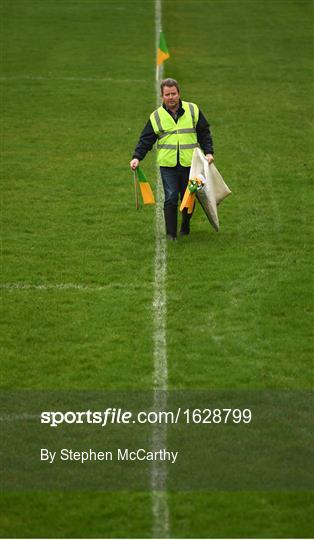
pixel 135 190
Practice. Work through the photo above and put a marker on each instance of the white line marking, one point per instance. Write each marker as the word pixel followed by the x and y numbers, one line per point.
pixel 79 79
pixel 62 286
pixel 160 508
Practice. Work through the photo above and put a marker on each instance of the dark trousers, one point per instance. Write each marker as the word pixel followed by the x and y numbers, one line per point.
pixel 175 181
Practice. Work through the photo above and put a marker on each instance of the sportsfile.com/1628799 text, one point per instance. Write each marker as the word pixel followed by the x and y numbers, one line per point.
pixel 114 415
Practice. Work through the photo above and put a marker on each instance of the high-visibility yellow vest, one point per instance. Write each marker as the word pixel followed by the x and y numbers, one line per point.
pixel 175 137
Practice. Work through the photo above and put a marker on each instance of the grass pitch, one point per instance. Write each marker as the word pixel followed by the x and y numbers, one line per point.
pixel 77 87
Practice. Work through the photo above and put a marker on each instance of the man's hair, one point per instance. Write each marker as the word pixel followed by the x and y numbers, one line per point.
pixel 169 82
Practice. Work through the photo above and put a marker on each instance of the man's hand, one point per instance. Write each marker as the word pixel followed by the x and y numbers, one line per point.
pixel 134 163
pixel 210 158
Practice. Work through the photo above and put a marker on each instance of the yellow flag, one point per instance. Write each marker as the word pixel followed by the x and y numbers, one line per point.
pixel 163 52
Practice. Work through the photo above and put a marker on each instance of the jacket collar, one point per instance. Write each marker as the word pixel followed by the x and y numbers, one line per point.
pixel 179 112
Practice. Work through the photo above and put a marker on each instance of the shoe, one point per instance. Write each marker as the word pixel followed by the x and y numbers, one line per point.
pixel 184 233
pixel 171 238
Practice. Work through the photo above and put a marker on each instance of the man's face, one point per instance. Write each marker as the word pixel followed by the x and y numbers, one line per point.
pixel 171 97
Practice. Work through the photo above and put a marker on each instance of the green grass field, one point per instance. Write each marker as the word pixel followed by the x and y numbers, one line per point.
pixel 77 86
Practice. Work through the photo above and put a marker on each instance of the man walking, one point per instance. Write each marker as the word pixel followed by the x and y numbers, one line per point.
pixel 178 127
